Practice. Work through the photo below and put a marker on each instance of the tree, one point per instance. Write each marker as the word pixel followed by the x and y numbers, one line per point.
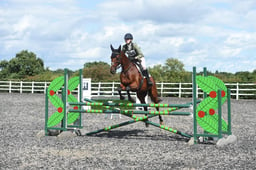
pixel 3 70
pixel 174 70
pixel 99 71
pixel 23 65
pixel 157 72
pixel 244 76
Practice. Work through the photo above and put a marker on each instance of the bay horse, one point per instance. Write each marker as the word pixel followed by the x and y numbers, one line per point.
pixel 132 80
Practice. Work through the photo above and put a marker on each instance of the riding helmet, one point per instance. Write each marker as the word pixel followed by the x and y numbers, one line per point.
pixel 128 36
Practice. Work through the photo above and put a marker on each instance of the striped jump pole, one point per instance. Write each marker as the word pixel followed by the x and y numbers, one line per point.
pixel 169 129
pixel 135 119
pixel 131 112
pixel 92 103
pixel 164 127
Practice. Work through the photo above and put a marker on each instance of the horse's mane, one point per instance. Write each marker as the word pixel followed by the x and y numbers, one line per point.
pixel 123 55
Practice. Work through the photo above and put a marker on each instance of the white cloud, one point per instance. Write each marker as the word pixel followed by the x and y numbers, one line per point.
pixel 213 33
pixel 241 39
pixel 160 11
pixel 228 52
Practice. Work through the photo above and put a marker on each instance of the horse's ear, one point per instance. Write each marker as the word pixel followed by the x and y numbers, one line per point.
pixel 112 47
pixel 119 48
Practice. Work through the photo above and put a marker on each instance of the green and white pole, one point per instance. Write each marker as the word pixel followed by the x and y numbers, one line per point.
pixel 194 104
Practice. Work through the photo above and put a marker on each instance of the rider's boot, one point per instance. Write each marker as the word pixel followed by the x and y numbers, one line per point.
pixel 145 73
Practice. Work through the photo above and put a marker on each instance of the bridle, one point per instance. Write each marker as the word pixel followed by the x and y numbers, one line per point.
pixel 117 63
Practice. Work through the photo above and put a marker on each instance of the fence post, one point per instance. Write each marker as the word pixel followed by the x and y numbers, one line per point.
pixel 162 87
pixel 180 90
pixel 113 88
pixel 45 86
pixel 32 90
pixel 237 91
pixel 99 88
pixel 10 86
pixel 20 86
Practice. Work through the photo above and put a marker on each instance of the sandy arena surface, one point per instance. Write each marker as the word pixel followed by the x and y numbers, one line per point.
pixel 129 147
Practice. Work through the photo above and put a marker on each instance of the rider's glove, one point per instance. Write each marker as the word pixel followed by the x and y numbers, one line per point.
pixel 137 58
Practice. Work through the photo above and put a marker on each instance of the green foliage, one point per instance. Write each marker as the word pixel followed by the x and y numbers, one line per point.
pixel 158 73
pixel 172 71
pixel 99 71
pixel 95 63
pixel 45 76
pixel 3 69
pixel 245 76
pixel 24 64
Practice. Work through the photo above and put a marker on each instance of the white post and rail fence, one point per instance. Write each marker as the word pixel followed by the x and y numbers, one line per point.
pixel 108 89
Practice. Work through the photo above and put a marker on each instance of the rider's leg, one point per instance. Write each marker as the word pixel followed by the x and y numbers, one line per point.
pixel 145 71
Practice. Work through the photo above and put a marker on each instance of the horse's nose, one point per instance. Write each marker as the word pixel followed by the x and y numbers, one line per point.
pixel 112 71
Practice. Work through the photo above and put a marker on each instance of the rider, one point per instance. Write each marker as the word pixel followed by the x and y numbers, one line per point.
pixel 132 50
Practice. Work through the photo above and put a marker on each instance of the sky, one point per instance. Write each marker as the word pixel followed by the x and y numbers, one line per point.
pixel 217 34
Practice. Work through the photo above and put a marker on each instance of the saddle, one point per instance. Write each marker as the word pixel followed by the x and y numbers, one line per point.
pixel 139 66
pixel 144 74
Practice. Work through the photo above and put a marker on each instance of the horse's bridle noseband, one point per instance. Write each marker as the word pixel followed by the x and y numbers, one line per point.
pixel 118 62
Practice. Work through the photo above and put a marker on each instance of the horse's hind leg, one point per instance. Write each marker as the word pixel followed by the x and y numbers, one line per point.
pixel 154 97
pixel 141 97
pixel 160 117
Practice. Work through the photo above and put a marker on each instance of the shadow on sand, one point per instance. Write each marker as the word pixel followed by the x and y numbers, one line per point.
pixel 139 135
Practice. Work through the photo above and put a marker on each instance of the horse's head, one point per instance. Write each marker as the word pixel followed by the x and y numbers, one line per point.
pixel 115 59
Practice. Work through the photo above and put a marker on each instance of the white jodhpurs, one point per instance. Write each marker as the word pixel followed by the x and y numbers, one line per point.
pixel 143 63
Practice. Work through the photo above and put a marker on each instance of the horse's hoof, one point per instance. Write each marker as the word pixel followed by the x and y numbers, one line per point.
pixel 122 98
pixel 161 122
pixel 147 125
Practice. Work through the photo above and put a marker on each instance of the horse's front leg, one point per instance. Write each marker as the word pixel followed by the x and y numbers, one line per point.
pixel 119 89
pixel 123 88
pixel 129 96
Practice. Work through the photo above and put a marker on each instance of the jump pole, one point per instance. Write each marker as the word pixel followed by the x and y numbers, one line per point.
pixel 194 104
pixel 92 103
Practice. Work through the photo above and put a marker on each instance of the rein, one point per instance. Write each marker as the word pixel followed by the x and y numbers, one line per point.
pixel 130 65
pixel 119 64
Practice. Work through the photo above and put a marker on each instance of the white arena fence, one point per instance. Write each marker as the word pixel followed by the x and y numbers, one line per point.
pixel 108 89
